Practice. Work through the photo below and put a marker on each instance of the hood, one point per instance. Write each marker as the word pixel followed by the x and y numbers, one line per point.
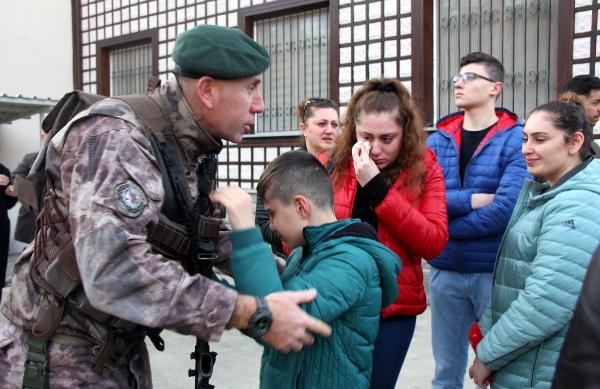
pixel 363 236
pixel 586 177
pixel 453 122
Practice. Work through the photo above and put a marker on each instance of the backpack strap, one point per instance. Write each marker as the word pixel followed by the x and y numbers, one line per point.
pixel 151 114
pixel 67 107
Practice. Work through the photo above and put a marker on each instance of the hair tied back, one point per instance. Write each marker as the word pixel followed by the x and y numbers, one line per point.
pixel 386 87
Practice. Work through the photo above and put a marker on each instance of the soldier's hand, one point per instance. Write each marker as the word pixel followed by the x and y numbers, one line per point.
pixel 292 328
pixel 238 204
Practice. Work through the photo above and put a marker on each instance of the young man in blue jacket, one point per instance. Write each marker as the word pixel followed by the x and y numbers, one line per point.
pixel 354 274
pixel 479 150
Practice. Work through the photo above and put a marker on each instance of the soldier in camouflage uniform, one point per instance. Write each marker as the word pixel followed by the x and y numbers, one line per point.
pixel 107 184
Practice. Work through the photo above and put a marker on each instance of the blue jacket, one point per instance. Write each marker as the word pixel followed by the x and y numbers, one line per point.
pixel 542 262
pixel 498 167
pixel 355 276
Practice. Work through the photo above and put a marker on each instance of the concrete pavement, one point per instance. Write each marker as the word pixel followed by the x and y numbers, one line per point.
pixel 238 359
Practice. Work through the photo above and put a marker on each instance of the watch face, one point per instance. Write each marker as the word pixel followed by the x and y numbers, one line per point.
pixel 260 322
pixel 262 325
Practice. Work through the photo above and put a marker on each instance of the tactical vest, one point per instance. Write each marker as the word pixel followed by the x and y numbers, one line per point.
pixel 185 232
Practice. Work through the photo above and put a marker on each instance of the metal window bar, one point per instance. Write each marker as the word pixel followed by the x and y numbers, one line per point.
pixel 299 48
pixel 130 68
pixel 517 32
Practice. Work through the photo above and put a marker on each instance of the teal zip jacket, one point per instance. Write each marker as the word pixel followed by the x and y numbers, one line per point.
pixel 354 275
pixel 540 268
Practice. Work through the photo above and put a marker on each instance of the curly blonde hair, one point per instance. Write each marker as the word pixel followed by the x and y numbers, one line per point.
pixel 376 96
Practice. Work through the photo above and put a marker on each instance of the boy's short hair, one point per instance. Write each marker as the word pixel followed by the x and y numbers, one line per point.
pixel 296 173
pixel 494 67
pixel 582 84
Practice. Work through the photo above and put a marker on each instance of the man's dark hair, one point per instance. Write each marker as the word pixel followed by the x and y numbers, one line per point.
pixel 494 67
pixel 582 84
pixel 296 173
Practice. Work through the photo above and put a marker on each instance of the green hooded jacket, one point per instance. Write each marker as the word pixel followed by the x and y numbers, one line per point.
pixel 354 275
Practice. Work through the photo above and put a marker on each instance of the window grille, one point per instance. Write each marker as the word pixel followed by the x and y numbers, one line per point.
pixel 299 47
pixel 130 68
pixel 517 32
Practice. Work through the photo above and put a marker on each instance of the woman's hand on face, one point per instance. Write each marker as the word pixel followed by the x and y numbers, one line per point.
pixel 364 167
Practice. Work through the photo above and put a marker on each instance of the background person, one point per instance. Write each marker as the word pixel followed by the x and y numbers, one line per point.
pixel 354 274
pixel 479 150
pixel 25 227
pixel 547 247
pixel 584 90
pixel 319 124
pixel 6 203
pixel 393 182
pixel 107 190
pixel 588 87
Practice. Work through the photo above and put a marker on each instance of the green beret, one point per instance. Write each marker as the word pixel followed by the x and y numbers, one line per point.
pixel 220 52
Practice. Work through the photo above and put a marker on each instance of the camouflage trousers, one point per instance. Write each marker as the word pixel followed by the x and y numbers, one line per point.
pixel 69 366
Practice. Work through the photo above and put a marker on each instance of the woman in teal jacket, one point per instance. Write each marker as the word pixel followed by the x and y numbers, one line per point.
pixel 544 255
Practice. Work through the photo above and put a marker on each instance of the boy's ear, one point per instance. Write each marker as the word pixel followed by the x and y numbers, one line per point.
pixel 302 206
pixel 497 89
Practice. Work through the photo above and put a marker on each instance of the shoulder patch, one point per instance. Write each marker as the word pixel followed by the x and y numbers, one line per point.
pixel 130 199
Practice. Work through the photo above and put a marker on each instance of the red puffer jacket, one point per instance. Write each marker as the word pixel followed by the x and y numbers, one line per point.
pixel 413 226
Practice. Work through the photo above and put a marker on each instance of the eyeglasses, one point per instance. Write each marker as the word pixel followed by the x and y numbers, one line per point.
pixel 468 77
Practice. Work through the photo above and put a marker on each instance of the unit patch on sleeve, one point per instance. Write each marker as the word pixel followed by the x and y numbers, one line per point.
pixel 131 199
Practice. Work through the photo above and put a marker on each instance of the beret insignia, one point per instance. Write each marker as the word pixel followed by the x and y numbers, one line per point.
pixel 130 199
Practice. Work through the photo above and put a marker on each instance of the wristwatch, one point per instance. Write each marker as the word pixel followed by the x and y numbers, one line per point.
pixel 260 322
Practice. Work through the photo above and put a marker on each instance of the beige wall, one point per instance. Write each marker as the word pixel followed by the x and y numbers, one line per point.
pixel 36 52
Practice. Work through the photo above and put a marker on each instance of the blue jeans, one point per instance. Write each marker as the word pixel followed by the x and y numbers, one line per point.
pixel 391 346
pixel 456 301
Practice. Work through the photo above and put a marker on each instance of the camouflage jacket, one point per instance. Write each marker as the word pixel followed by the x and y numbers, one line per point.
pixel 107 181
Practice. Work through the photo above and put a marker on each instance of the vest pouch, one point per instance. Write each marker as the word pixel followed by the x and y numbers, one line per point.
pixel 62 273
pixel 28 191
pixel 169 238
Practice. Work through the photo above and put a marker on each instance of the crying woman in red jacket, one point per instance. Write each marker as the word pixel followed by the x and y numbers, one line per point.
pixel 384 174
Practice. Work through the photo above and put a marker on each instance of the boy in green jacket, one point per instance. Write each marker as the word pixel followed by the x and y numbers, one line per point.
pixel 354 274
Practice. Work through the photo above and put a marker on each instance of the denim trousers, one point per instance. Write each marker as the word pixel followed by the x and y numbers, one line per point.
pixel 391 346
pixel 456 301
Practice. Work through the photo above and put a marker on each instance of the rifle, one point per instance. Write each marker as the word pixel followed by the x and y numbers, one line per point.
pixel 202 223
pixel 202 259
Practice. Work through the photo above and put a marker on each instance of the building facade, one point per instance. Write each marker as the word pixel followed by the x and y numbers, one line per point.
pixel 329 48
pixel 318 49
